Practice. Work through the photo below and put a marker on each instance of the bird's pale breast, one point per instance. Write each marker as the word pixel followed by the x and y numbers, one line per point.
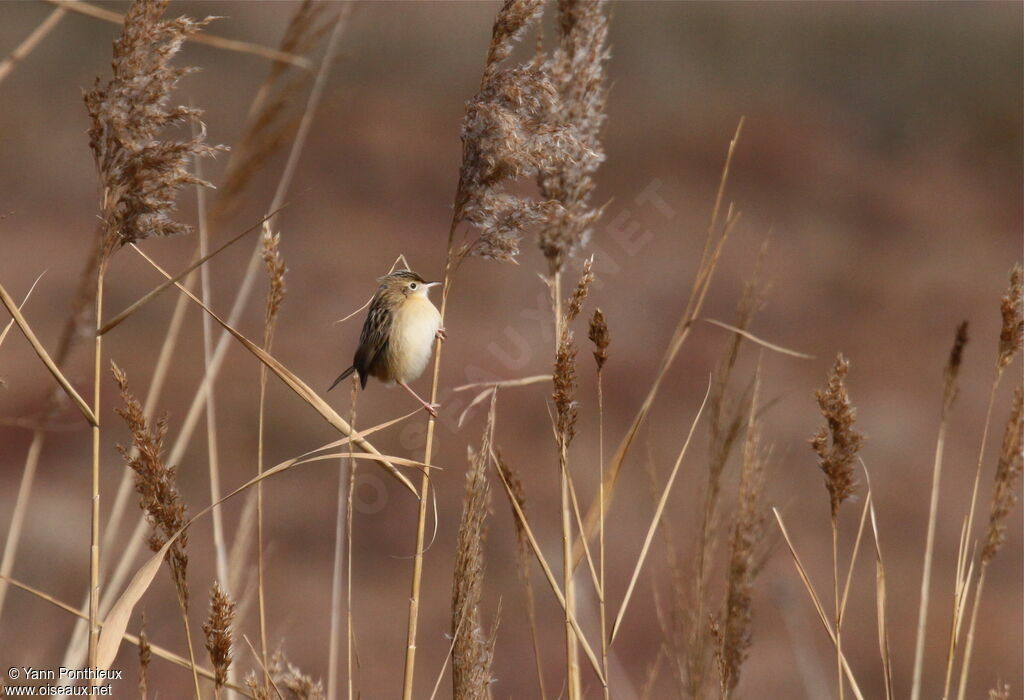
pixel 412 338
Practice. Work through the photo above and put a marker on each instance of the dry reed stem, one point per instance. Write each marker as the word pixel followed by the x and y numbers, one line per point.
pixel 145 654
pixel 209 39
pixel 517 492
pixel 659 510
pixel 822 616
pixel 949 391
pixel 880 596
pixel 1004 497
pixel 701 283
pixel 154 650
pixel 747 536
pixel 30 42
pixel 759 341
pixel 37 346
pixel 117 619
pixel 213 459
pixel 342 569
pixel 601 338
pixel 539 555
pixel 275 272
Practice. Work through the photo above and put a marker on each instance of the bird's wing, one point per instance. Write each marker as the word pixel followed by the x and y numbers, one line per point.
pixel 373 341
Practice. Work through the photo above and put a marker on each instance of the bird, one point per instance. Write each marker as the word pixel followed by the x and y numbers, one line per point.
pixel 398 334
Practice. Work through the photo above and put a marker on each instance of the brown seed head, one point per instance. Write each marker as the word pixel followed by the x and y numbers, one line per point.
pixel 579 295
pixel 836 459
pixel 155 482
pixel 217 630
pixel 274 263
pixel 139 173
pixel 1011 336
pixel 1008 470
pixel 564 395
pixel 600 337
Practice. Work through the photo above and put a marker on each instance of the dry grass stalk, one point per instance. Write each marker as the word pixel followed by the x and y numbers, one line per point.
pixel 748 530
pixel 145 654
pixel 1011 333
pixel 155 482
pixel 717 234
pixel 473 648
pixel 518 494
pixel 838 442
pixel 275 268
pixel 837 445
pixel 139 176
pixel 727 418
pixel 601 338
pixel 949 391
pixel 217 630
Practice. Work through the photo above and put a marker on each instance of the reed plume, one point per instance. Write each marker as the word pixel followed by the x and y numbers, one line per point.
pixel 1011 334
pixel 576 68
pixel 746 538
pixel 217 630
pixel 1008 470
pixel 140 174
pixel 156 483
pixel 472 649
pixel 513 128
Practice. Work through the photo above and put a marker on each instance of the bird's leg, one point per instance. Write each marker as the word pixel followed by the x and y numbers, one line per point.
pixel 441 334
pixel 430 408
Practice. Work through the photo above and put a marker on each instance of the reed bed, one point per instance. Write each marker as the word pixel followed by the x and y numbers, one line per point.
pixel 531 153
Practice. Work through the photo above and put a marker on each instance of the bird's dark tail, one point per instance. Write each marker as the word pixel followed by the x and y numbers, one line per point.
pixel 343 375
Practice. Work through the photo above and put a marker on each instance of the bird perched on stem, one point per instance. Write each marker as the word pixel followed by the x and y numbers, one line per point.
pixel 398 334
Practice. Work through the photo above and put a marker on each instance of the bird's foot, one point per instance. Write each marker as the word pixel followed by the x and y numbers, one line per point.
pixel 442 334
pixel 431 408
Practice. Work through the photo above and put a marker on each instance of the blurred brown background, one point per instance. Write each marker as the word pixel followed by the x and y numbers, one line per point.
pixel 881 154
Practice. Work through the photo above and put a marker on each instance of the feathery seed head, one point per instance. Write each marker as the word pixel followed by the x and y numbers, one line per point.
pixel 1008 470
pixel 217 630
pixel 836 458
pixel 1011 335
pixel 600 337
pixel 139 173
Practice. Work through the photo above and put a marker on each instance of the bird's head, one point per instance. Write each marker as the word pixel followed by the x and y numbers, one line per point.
pixel 405 283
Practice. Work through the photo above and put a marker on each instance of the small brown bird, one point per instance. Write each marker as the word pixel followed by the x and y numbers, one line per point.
pixel 398 334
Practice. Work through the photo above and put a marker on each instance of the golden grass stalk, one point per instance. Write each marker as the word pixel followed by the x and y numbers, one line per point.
pixel 601 338
pixel 659 510
pixel 949 391
pixel 116 621
pixel 1004 497
pixel 1011 336
pixel 472 647
pixel 818 607
pixel 881 599
pixel 217 630
pixel 51 366
pixel 275 295
pixel 145 654
pixel 746 538
pixel 837 444
pixel 517 493
pixel 155 481
pixel 715 240
pixel 342 570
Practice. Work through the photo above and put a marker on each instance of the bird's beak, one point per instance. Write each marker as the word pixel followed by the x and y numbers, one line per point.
pixel 432 284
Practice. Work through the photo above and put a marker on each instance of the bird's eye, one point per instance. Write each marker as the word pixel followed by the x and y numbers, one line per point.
pixel 412 285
